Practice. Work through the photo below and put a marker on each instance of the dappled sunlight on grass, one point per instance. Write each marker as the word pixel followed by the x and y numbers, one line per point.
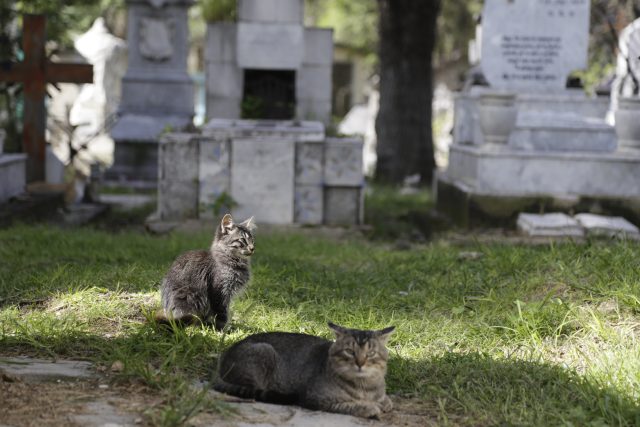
pixel 519 335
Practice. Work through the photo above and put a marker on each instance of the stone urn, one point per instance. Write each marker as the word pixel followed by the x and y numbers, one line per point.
pixel 628 123
pixel 497 113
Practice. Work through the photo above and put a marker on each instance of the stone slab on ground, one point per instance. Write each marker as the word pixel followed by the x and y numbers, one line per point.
pixel 611 226
pixel 40 370
pixel 254 414
pixel 549 225
pixel 127 201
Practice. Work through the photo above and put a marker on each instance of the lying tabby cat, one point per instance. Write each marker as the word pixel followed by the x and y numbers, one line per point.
pixel 345 376
pixel 200 284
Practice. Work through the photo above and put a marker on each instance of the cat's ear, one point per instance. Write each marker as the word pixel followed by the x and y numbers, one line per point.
pixel 384 334
pixel 339 330
pixel 226 224
pixel 249 224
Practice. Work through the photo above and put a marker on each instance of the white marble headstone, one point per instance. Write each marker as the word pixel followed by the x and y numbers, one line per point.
pixel 533 44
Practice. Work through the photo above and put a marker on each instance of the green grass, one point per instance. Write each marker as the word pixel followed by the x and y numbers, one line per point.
pixel 524 335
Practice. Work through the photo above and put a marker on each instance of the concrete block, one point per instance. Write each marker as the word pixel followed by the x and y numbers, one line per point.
pixel 178 177
pixel 343 162
pixel 309 163
pixel 262 179
pixel 271 11
pixel 300 131
pixel 608 226
pixel 268 46
pixel 314 82
pixel 219 107
pixel 318 46
pixel 221 42
pixel 343 205
pixel 214 174
pixel 308 204
pixel 224 80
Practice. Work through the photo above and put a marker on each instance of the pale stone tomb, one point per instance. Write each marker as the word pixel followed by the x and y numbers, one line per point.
pixel 280 172
pixel 526 141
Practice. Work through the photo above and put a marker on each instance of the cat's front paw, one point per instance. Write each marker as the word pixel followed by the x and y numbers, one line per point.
pixel 386 404
pixel 367 410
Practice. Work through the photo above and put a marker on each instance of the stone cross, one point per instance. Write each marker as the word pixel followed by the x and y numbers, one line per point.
pixel 34 72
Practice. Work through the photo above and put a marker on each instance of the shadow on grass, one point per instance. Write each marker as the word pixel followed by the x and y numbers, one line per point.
pixel 463 389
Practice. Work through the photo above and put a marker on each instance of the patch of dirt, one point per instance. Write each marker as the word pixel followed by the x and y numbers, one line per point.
pixel 66 403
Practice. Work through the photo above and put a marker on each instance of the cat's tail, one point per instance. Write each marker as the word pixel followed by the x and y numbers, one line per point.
pixel 247 392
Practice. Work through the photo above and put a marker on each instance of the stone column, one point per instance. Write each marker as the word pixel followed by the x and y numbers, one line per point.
pixel 157 91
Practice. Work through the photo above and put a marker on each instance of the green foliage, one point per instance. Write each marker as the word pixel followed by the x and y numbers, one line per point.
pixel 223 203
pixel 219 10
pixel 355 22
pixel 252 107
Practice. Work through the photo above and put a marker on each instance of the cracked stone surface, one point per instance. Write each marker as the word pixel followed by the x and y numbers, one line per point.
pixel 40 370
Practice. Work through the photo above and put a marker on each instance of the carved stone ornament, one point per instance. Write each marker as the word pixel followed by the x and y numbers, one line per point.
pixel 155 39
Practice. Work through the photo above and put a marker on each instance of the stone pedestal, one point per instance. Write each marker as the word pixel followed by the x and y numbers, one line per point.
pixel 157 92
pixel 279 172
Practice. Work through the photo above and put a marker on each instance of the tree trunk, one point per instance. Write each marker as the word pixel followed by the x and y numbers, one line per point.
pixel 403 126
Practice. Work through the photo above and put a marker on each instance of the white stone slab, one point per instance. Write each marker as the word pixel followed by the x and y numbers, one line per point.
pixel 612 226
pixel 534 44
pixel 214 175
pixel 268 46
pixel 309 163
pixel 309 201
pixel 271 11
pixel 220 107
pixel 549 225
pixel 262 179
pixel 343 162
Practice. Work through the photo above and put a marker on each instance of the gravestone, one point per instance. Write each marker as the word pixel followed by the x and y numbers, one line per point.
pixel 533 45
pixel 526 142
pixel 157 91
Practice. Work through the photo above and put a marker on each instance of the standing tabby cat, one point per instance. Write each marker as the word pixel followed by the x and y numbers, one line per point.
pixel 345 376
pixel 200 284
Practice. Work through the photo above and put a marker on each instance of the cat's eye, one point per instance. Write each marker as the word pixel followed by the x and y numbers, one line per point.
pixel 371 353
pixel 350 352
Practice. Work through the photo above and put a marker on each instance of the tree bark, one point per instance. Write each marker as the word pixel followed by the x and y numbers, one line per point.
pixel 403 126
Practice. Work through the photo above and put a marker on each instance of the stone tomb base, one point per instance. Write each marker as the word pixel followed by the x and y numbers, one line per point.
pixel 12 175
pixel 281 172
pixel 491 185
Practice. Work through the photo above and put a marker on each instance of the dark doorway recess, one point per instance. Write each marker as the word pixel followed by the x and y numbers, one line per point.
pixel 269 94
